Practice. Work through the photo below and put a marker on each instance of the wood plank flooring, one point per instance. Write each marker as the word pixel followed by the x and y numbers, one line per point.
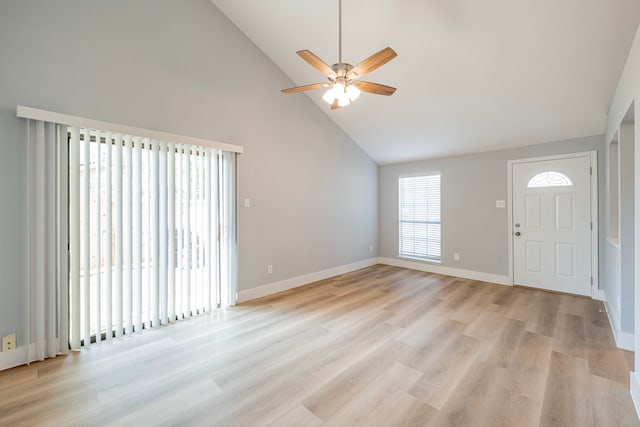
pixel 382 346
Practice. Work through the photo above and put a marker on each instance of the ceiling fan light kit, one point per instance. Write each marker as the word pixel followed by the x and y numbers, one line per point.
pixel 344 86
pixel 345 95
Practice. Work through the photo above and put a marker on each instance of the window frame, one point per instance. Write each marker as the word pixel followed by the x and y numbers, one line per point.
pixel 531 185
pixel 426 258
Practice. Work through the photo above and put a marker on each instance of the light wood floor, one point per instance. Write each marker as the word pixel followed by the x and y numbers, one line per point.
pixel 381 346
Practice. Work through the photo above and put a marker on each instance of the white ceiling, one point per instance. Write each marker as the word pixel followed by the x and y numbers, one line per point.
pixel 471 75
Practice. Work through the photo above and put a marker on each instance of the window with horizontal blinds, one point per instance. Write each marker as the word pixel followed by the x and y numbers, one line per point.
pixel 419 225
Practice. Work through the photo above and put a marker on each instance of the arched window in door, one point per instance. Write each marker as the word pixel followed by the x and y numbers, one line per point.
pixel 549 179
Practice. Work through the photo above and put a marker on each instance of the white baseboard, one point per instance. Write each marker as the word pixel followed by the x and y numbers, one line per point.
pixel 22 355
pixel 624 340
pixel 598 294
pixel 12 358
pixel 635 391
pixel 447 271
pixel 294 282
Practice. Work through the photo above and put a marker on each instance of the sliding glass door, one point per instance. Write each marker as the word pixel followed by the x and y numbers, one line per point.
pixel 152 233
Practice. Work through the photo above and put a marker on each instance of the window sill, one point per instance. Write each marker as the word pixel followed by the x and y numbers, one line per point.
pixel 425 260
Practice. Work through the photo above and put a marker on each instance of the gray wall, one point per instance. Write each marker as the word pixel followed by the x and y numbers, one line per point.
pixel 471 184
pixel 182 67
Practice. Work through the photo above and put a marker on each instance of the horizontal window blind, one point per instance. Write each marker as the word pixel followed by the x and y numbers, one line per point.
pixel 152 235
pixel 419 225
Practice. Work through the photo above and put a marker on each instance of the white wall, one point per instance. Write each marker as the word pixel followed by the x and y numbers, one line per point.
pixel 182 67
pixel 626 228
pixel 627 92
pixel 618 282
pixel 612 286
pixel 471 184
pixel 611 273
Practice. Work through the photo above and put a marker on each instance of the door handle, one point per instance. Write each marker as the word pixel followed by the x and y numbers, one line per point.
pixel 517 233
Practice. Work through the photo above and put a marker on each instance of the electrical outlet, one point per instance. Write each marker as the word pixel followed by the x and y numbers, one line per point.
pixel 9 342
pixel 269 269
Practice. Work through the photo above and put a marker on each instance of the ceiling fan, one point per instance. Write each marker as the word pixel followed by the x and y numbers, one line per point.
pixel 343 79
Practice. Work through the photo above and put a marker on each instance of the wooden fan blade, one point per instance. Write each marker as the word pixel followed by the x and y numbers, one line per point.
pixel 316 62
pixel 375 88
pixel 305 87
pixel 374 61
pixel 335 104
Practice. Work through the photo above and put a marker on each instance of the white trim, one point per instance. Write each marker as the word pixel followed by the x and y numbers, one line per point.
pixel 447 271
pixel 614 241
pixel 595 261
pixel 599 294
pixel 294 282
pixel 624 340
pixel 413 175
pixel 81 122
pixel 510 219
pixel 635 391
pixel 427 260
pixel 593 155
pixel 16 357
pixel 23 355
pixel 554 157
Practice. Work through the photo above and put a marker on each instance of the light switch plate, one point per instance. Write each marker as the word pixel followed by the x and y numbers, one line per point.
pixel 500 204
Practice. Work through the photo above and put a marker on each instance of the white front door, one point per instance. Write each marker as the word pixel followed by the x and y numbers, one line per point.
pixel 552 224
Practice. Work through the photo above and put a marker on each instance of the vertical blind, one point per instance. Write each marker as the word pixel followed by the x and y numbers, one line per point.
pixel 47 287
pixel 419 202
pixel 152 233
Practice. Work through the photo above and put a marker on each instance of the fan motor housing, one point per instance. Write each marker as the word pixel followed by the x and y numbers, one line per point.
pixel 341 68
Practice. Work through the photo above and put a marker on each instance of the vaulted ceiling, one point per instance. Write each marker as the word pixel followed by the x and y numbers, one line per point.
pixel 471 75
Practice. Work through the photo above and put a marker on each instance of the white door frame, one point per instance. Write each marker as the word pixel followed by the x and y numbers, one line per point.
pixel 596 293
